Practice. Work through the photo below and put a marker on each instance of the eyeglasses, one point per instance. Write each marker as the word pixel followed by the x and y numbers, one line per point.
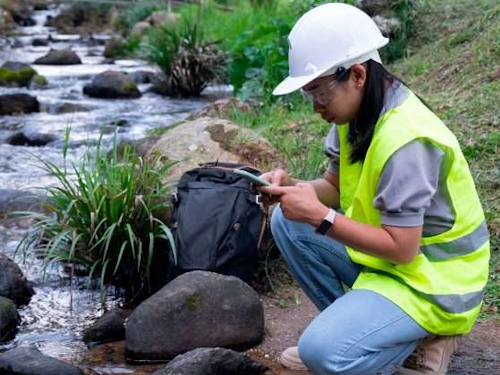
pixel 320 94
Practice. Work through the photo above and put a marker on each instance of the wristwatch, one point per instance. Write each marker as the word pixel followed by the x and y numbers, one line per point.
pixel 327 222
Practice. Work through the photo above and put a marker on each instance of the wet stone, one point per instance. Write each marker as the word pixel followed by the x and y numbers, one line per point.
pixel 18 103
pixel 212 361
pixel 112 85
pixel 107 328
pixel 38 140
pixel 59 57
pixel 13 284
pixel 30 361
pixel 9 319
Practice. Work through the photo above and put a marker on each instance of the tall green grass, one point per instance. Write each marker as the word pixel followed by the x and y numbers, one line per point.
pixel 104 216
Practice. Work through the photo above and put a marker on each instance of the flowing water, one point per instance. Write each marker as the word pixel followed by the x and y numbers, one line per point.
pixel 56 316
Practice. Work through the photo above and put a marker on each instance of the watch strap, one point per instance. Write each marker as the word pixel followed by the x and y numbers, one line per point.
pixel 327 222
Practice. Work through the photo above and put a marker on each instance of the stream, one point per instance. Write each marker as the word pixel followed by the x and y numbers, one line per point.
pixel 58 313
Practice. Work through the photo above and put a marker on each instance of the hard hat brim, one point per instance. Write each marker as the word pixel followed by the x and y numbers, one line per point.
pixel 291 84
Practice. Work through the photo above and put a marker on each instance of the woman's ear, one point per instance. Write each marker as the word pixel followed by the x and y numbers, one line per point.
pixel 358 75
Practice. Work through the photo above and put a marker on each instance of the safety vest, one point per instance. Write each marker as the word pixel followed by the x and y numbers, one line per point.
pixel 442 288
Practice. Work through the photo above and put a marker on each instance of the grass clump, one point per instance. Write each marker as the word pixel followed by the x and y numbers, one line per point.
pixel 105 219
pixel 188 61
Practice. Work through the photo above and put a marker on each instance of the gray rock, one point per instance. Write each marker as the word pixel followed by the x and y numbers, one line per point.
pixel 67 107
pixel 18 103
pixel 374 7
pixel 13 284
pixel 108 327
pixel 387 25
pixel 141 76
pixel 59 57
pixel 17 200
pixel 9 319
pixel 35 140
pixel 112 85
pixel 113 47
pixel 197 309
pixel 40 42
pixel 139 29
pixel 30 361
pixel 212 361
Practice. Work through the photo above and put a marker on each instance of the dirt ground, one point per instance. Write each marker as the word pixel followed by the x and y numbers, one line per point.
pixel 478 354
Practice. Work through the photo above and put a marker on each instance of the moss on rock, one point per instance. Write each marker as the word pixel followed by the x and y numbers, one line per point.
pixel 16 77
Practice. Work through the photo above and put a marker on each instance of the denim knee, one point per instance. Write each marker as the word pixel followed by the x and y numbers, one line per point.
pixel 325 357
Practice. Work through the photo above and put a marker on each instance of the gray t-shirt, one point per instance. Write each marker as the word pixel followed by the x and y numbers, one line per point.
pixel 411 190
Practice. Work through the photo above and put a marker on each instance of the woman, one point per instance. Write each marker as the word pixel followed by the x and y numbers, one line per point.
pixel 409 237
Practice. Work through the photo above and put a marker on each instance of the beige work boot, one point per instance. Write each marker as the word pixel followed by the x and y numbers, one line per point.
pixel 431 357
pixel 291 360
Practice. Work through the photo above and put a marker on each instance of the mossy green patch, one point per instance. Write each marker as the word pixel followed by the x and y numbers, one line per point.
pixel 40 81
pixel 21 77
pixel 130 86
pixel 193 302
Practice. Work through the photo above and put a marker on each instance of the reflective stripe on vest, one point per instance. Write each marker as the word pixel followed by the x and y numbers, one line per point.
pixel 461 246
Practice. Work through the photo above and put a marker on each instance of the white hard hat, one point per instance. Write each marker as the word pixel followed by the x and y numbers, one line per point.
pixel 326 38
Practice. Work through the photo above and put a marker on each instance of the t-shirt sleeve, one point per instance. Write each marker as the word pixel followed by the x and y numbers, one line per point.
pixel 332 150
pixel 408 183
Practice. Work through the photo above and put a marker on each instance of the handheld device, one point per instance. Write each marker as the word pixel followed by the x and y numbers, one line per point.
pixel 252 178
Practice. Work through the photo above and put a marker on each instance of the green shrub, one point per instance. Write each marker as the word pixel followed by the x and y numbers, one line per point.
pixel 104 218
pixel 188 61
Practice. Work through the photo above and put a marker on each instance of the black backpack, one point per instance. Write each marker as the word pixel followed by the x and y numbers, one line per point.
pixel 218 222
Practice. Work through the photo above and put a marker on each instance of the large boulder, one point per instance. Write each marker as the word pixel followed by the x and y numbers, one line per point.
pixel 30 361
pixel 114 47
pixel 9 319
pixel 160 17
pixel 16 74
pixel 13 284
pixel 59 57
pixel 197 309
pixel 212 361
pixel 139 29
pixel 112 85
pixel 208 139
pixel 108 327
pixel 221 108
pixel 374 7
pixel 18 103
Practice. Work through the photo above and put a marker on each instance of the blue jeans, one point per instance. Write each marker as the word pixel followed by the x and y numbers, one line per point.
pixel 359 332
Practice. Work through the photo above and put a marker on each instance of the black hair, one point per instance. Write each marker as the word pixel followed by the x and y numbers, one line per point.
pixel 362 127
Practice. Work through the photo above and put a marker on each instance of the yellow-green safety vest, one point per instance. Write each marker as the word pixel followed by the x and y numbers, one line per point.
pixel 442 288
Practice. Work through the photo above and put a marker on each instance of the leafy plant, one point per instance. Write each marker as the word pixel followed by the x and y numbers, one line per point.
pixel 105 218
pixel 189 62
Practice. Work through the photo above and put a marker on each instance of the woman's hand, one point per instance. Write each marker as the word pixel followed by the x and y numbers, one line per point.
pixel 299 202
pixel 278 177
